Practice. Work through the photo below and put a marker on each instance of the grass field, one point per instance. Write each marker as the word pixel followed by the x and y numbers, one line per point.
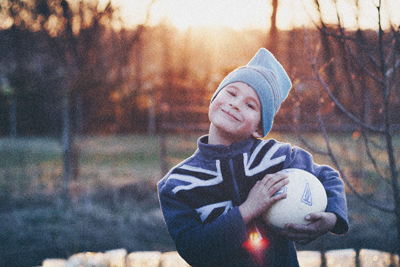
pixel 116 203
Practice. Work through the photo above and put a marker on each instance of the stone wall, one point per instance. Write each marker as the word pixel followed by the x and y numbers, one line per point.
pixel 120 258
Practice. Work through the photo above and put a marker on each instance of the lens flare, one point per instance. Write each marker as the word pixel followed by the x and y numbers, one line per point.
pixel 256 245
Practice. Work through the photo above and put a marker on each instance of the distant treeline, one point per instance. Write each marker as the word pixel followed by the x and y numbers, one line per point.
pixel 153 79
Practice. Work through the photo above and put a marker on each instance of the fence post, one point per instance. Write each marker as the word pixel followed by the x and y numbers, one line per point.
pixel 172 259
pixel 144 259
pixel 120 258
pixel 53 263
pixel 116 257
pixel 340 258
pixel 373 258
pixel 309 258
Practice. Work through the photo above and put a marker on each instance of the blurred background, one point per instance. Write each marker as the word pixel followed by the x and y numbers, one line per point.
pixel 98 99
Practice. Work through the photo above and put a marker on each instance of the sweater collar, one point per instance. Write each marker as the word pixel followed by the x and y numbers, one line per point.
pixel 221 151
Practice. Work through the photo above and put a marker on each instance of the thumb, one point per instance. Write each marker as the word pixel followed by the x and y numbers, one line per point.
pixel 314 216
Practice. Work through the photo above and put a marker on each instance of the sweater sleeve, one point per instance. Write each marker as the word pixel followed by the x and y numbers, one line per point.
pixel 330 179
pixel 201 244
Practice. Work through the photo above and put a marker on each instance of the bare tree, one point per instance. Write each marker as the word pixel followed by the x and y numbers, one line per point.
pixel 356 75
pixel 10 92
pixel 60 26
pixel 273 35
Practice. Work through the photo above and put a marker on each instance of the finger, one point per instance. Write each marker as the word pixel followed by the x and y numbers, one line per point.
pixel 273 178
pixel 296 236
pixel 278 197
pixel 273 188
pixel 275 183
pixel 258 183
pixel 314 216
pixel 300 228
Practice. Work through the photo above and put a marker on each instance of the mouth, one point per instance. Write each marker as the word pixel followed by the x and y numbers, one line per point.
pixel 230 115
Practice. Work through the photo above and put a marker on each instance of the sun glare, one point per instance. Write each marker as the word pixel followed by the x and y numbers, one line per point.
pixel 235 14
pixel 255 14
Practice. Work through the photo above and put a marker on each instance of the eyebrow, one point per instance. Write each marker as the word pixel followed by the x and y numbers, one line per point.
pixel 234 86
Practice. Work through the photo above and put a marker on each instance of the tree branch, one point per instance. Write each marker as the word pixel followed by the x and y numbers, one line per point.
pixel 371 157
pixel 306 143
pixel 342 174
pixel 395 66
pixel 369 73
pixel 335 100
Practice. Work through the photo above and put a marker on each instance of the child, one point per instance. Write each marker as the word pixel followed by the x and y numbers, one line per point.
pixel 213 200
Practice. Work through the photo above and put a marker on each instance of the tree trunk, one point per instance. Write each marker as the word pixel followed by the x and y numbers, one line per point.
pixel 389 134
pixel 13 116
pixel 273 32
pixel 66 145
pixel 152 114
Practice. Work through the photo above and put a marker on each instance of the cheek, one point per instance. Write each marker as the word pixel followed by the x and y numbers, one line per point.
pixel 254 119
pixel 211 109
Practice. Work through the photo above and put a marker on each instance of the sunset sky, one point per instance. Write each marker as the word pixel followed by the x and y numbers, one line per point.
pixel 239 14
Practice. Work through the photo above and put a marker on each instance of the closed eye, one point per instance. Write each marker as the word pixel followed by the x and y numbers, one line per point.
pixel 231 93
pixel 251 106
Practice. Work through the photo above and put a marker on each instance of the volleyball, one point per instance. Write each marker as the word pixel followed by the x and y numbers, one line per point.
pixel 305 195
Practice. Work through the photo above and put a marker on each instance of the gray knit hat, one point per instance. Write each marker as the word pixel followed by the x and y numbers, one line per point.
pixel 268 78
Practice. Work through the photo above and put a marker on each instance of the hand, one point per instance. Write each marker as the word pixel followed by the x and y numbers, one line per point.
pixel 320 224
pixel 261 196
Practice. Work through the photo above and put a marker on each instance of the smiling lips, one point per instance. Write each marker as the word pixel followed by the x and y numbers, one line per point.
pixel 230 114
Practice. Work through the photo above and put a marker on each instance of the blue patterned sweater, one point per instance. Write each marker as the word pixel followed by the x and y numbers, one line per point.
pixel 200 197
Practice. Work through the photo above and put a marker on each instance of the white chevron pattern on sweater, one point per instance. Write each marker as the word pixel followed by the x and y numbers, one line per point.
pixel 265 163
pixel 205 211
pixel 195 182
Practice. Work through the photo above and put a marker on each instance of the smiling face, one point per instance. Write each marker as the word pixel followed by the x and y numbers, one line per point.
pixel 235 115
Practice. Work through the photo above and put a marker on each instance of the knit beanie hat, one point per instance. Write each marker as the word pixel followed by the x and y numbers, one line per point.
pixel 268 78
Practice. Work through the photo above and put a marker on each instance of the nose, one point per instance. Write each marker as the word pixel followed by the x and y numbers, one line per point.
pixel 234 103
pixel 234 106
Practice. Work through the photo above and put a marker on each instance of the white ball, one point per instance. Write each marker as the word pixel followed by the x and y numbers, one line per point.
pixel 305 195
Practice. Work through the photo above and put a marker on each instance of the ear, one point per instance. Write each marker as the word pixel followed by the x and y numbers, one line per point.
pixel 258 133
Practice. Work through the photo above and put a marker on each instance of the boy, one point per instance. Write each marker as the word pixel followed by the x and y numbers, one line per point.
pixel 212 201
